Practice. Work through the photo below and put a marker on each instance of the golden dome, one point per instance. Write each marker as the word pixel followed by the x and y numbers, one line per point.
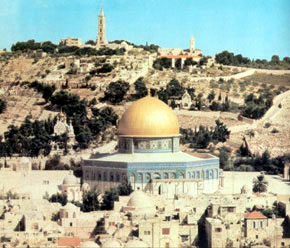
pixel 148 117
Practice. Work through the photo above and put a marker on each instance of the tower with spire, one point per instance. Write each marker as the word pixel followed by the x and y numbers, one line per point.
pixel 101 38
pixel 192 45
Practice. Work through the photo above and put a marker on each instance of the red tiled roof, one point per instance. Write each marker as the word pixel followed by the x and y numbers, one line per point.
pixel 255 215
pixel 69 241
pixel 178 56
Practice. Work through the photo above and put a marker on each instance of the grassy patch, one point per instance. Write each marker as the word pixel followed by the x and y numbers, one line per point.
pixel 281 80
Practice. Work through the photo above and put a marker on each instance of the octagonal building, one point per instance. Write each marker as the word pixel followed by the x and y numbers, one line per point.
pixel 149 157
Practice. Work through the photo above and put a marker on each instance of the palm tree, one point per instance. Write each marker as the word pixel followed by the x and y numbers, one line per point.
pixel 260 184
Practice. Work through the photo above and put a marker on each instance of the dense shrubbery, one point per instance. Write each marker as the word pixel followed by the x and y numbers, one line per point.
pixel 165 63
pixel 173 90
pixel 90 51
pixel 150 48
pixel 161 63
pixel 31 45
pixel 59 197
pixel 30 139
pixel 262 162
pixel 256 107
pixel 45 89
pixel 49 47
pixel 34 138
pixel 202 137
pixel 227 58
pixel 140 88
pixel 116 91
pixel 91 198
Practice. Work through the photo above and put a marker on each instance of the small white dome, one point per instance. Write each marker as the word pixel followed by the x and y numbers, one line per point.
pixel 90 244
pixel 136 244
pixel 111 243
pixel 139 199
pixel 70 179
pixel 70 206
pixel 24 160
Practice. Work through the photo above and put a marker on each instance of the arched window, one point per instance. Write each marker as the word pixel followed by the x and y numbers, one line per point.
pixel 148 177
pixel 207 174
pixel 156 175
pixel 140 178
pixel 180 175
pixel 111 177
pixel 173 175
pixel 198 174
pixel 105 176
pixel 100 176
pixel 117 177
pixel 211 174
pixel 193 174
pixel 132 178
pixel 165 175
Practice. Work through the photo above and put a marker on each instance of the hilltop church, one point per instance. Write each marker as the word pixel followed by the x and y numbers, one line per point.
pixel 149 156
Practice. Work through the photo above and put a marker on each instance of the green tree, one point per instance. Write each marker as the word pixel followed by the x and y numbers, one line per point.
pixel 3 105
pixel 90 201
pixel 140 88
pixel 275 59
pixel 106 68
pixel 125 188
pixel 59 197
pixel 163 95
pixel 260 184
pixel 90 42
pixel 221 132
pixel 116 91
pixel 109 198
pixel 174 89
pixel 211 96
pixel 224 155
pixel 109 116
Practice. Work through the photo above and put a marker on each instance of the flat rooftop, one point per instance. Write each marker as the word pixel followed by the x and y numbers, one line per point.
pixel 234 181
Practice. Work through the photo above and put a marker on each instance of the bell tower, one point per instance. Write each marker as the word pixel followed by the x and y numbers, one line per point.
pixel 101 38
pixel 192 45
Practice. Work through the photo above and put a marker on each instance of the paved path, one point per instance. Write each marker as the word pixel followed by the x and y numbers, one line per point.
pixel 270 114
pixel 274 110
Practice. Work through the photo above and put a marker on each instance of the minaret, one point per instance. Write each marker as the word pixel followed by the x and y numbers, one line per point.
pixel 101 38
pixel 192 45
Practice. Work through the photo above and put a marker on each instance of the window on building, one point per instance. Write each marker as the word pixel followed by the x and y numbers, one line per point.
pixel 218 229
pixel 165 231
pixel 146 232
pixel 118 177
pixel 257 236
pixel 167 245
pixel 261 224
pixel 184 238
pixel 231 209
pixel 254 224
pixel 140 178
pixel 70 223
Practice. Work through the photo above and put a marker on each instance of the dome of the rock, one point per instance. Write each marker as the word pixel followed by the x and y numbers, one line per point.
pixel 148 117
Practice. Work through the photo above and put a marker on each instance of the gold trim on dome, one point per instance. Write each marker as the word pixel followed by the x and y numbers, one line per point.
pixel 148 117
